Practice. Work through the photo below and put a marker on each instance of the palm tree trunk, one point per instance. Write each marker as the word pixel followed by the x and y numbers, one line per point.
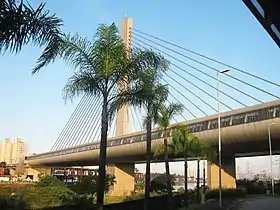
pixel 102 155
pixel 148 163
pixel 169 187
pixel 186 184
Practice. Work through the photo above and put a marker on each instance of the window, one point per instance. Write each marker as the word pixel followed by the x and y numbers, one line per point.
pixel 238 119
pixel 225 121
pixel 116 142
pixel 214 124
pixel 277 112
pixel 136 139
pixel 266 113
pixel 252 117
pixel 126 141
pixel 200 126
pixel 191 128
pixel 155 135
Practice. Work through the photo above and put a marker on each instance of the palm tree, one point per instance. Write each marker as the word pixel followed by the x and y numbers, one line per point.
pixel 163 119
pixel 148 93
pixel 183 143
pixel 201 150
pixel 21 24
pixel 100 66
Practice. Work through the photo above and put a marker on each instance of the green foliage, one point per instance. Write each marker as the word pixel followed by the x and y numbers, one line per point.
pixel 159 183
pixel 49 181
pixel 139 187
pixel 227 193
pixel 254 186
pixel 165 114
pixel 185 144
pixel 13 202
pixel 43 197
pixel 88 184
pixel 21 24
pixel 101 65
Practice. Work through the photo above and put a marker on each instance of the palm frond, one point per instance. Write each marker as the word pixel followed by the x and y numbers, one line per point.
pixel 20 24
pixel 82 83
pixel 166 113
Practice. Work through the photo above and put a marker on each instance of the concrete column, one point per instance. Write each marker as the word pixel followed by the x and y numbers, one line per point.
pixel 228 172
pixel 122 120
pixel 124 174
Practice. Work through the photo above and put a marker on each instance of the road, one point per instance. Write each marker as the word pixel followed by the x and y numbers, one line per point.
pixel 261 204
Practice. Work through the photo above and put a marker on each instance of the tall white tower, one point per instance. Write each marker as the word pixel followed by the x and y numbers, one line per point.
pixel 122 119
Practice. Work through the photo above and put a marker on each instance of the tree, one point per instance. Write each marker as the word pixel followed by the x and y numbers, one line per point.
pixel 183 143
pixel 21 24
pixel 201 150
pixel 148 93
pixel 50 192
pixel 163 119
pixel 160 183
pixel 101 65
pixel 88 184
pixel 49 181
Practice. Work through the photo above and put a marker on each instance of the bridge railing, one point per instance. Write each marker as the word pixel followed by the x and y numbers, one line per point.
pixel 242 118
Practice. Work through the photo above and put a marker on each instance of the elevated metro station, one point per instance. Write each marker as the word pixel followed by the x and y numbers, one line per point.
pixel 244 133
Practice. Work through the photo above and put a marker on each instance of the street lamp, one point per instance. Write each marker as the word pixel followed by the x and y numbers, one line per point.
pixel 270 154
pixel 219 135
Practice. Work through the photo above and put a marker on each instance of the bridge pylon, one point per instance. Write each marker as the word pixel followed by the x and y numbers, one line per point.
pixel 124 173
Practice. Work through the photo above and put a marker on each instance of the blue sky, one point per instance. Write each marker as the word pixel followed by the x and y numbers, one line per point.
pixel 32 106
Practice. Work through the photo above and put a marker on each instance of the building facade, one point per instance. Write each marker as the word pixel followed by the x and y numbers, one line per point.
pixel 12 152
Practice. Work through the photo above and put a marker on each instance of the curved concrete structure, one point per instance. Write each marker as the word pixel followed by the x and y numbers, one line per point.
pixel 252 128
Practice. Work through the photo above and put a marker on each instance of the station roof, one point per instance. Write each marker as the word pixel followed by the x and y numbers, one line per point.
pixel 267 13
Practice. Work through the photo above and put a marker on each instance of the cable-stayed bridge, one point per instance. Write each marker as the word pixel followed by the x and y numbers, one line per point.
pixel 250 103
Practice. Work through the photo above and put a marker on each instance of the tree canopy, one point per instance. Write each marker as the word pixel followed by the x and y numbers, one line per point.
pixel 21 24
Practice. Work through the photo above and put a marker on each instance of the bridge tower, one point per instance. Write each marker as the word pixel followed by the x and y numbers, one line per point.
pixel 124 172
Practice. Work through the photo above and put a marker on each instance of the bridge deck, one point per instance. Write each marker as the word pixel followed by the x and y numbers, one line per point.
pixel 241 125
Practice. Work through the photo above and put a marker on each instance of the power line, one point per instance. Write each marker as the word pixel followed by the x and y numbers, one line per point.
pixel 199 70
pixel 210 67
pixel 206 57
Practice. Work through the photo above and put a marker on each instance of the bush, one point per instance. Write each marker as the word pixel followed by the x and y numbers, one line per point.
pixel 48 181
pixel 254 186
pixel 227 193
pixel 51 196
pixel 159 183
pixel 13 202
pixel 88 184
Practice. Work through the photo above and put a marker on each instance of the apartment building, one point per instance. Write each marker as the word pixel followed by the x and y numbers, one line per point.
pixel 12 152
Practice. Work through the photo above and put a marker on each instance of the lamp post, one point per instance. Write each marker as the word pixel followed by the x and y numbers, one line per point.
pixel 270 155
pixel 219 135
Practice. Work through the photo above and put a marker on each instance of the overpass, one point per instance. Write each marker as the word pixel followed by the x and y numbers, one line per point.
pixel 244 130
pixel 240 126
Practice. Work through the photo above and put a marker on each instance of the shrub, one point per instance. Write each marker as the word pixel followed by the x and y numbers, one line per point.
pixel 227 193
pixel 52 196
pixel 13 202
pixel 253 186
pixel 159 183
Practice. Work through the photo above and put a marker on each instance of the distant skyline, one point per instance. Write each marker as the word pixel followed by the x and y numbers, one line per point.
pixel 32 106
